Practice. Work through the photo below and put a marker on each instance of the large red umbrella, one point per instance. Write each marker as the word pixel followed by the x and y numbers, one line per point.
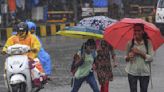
pixel 119 33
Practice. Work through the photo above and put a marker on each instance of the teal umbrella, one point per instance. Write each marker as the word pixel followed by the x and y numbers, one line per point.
pixel 81 32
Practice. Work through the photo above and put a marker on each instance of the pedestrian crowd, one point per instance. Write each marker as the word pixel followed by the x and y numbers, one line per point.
pixel 94 56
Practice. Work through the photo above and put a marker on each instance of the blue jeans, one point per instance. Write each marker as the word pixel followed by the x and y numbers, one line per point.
pixel 90 80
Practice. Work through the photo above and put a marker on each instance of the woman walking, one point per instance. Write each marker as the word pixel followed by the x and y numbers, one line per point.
pixel 139 57
pixel 84 70
pixel 103 65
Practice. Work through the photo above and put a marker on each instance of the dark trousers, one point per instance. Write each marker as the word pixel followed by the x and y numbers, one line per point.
pixel 144 82
pixel 90 80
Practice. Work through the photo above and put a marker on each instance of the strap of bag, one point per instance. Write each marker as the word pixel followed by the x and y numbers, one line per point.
pixel 151 80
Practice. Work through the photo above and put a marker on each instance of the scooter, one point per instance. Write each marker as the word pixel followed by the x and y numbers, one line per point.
pixel 17 74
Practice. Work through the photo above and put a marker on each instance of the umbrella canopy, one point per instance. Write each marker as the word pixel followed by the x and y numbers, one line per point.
pixel 119 33
pixel 81 32
pixel 97 22
pixel 91 27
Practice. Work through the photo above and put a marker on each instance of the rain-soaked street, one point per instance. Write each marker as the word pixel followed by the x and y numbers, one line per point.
pixel 115 21
pixel 61 50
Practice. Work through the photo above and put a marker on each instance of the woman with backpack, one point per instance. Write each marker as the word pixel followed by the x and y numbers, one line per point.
pixel 82 66
pixel 139 58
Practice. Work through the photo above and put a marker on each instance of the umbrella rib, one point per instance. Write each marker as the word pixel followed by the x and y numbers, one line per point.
pixel 125 26
pixel 121 27
pixel 123 36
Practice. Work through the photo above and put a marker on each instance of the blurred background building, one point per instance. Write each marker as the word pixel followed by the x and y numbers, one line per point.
pixel 52 11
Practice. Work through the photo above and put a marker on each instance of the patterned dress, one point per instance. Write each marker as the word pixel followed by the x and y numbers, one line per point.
pixel 103 65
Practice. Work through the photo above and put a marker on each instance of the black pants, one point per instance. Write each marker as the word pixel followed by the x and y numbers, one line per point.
pixel 144 82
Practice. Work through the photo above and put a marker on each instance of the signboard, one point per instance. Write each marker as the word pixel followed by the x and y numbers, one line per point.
pixel 97 10
pixel 100 3
pixel 87 12
pixel 37 13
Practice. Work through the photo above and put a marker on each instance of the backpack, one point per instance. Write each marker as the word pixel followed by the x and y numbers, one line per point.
pixel 77 61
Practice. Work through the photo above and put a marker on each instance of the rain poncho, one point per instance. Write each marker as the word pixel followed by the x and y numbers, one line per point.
pixel 43 56
pixel 31 25
pixel 45 60
pixel 30 41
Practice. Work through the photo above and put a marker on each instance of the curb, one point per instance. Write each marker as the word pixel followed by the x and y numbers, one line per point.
pixel 42 30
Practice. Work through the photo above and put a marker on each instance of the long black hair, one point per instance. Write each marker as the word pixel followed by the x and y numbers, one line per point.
pixel 89 42
pixel 145 38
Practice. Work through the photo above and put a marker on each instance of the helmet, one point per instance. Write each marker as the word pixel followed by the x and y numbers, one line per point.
pixel 22 27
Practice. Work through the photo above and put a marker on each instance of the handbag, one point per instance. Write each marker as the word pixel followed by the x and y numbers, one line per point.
pixel 77 61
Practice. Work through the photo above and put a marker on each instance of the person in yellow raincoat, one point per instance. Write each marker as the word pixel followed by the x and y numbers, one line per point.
pixel 24 37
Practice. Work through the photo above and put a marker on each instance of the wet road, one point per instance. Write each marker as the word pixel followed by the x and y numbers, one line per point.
pixel 61 50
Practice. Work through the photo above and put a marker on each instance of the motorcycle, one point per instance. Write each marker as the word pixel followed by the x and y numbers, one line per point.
pixel 18 75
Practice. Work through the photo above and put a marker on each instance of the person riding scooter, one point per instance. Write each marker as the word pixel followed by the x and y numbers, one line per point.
pixel 24 37
pixel 43 55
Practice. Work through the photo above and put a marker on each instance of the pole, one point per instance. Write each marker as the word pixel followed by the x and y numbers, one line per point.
pixel 75 9
pixel 93 7
pixel 7 15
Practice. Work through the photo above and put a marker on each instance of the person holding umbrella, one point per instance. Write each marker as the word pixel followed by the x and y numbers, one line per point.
pixel 139 57
pixel 140 39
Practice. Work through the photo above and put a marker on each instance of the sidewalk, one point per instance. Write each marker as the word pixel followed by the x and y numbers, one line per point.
pixel 120 84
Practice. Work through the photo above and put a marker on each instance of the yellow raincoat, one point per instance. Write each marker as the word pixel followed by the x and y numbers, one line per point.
pixel 30 41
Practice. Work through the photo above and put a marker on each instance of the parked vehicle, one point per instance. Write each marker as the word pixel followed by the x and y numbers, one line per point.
pixel 159 17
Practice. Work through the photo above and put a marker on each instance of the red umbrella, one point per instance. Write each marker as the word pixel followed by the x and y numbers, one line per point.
pixel 119 33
